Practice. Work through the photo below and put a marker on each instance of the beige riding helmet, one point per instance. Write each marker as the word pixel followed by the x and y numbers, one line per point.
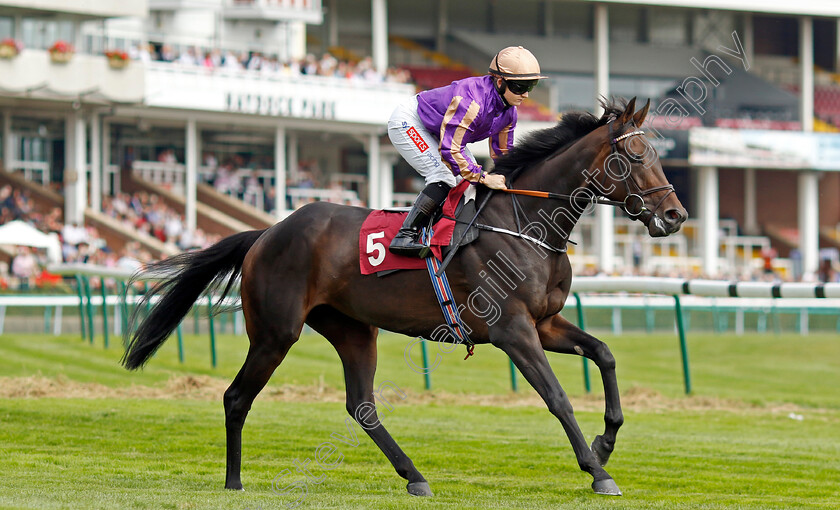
pixel 516 63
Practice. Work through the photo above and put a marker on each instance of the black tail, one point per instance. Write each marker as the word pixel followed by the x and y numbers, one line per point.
pixel 187 276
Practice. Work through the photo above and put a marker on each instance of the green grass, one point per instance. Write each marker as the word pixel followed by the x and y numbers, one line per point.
pixel 70 453
pixel 141 453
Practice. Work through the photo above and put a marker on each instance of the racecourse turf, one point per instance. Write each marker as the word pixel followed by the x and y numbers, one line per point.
pixel 761 429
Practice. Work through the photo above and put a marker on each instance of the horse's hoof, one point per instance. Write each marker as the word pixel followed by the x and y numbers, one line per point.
pixel 419 489
pixel 602 454
pixel 606 487
pixel 234 486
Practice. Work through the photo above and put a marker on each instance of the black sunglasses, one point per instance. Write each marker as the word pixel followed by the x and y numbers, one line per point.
pixel 520 87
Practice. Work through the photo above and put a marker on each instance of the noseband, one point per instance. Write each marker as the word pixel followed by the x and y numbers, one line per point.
pixel 629 182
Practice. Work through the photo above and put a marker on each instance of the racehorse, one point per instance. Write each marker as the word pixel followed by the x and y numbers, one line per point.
pixel 305 270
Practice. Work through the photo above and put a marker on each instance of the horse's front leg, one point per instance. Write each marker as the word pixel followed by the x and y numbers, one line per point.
pixel 521 342
pixel 559 335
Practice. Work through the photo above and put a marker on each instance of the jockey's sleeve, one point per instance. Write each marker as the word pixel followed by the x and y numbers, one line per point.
pixel 501 142
pixel 457 123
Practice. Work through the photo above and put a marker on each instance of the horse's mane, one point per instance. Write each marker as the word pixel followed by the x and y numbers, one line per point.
pixel 540 144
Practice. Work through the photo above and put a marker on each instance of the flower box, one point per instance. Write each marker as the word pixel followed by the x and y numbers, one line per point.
pixel 115 63
pixel 117 59
pixel 61 52
pixel 9 48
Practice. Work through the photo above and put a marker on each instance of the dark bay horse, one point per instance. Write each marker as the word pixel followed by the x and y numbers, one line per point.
pixel 305 269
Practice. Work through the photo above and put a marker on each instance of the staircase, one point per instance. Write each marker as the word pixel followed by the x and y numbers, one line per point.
pixel 113 232
pixel 236 209
pixel 209 219
pixel 784 239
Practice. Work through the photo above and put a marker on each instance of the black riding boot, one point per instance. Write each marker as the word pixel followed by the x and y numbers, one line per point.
pixel 407 242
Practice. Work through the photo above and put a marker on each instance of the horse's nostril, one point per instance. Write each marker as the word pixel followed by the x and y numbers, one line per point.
pixel 674 216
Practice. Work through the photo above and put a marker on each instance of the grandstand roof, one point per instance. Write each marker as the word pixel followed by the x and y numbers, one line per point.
pixel 801 7
pixel 739 90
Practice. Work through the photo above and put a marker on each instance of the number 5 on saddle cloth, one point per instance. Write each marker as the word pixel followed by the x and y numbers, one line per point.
pixel 451 226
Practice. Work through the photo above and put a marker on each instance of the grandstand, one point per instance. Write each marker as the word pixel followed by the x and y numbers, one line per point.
pixel 233 113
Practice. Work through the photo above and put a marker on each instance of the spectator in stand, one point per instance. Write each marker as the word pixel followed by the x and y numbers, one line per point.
pixel 167 54
pixel 255 61
pixel 223 181
pixel 7 201
pixel 173 226
pixel 269 202
pixel 25 267
pixel 143 53
pixel 231 62
pixel 827 272
pixel 189 57
pixel 127 258
pixel 72 234
pixel 167 156
pixel 327 65
pixel 767 256
pixel 252 188
pixel 309 66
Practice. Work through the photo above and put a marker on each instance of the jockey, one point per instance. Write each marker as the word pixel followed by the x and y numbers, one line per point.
pixel 432 130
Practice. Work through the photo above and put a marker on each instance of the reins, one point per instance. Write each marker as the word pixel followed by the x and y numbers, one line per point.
pixel 623 204
pixel 562 196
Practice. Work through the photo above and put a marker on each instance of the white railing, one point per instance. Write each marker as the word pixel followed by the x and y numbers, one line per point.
pixel 167 175
pixel 290 10
pixel 35 171
pixel 303 196
pixel 172 177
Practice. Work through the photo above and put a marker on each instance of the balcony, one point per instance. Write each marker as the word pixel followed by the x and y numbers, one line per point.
pixel 89 9
pixel 308 11
pixel 170 85
pixel 175 5
pixel 32 73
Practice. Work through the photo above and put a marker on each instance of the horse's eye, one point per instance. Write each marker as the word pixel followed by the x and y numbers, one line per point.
pixel 637 158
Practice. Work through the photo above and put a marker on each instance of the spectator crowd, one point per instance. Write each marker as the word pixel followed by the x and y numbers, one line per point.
pixel 310 65
pixel 142 213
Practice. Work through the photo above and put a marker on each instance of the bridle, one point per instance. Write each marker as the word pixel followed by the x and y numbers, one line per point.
pixel 634 192
pixel 629 182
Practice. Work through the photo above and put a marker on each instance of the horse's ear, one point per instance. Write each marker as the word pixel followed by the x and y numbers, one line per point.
pixel 639 117
pixel 628 111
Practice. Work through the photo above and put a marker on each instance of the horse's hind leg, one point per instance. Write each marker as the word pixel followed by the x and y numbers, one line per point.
pixel 559 335
pixel 268 348
pixel 356 346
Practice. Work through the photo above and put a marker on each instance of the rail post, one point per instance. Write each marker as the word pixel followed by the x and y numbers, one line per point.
pixel 180 343
pixel 124 290
pixel 427 378
pixel 650 318
pixel 86 281
pixel 80 292
pixel 47 315
pixel 587 384
pixel 104 310
pixel 513 385
pixel 212 331
pixel 683 347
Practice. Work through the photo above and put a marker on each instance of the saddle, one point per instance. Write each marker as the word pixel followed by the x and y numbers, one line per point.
pixel 449 227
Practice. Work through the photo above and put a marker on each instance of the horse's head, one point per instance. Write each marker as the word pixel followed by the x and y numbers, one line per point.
pixel 629 171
